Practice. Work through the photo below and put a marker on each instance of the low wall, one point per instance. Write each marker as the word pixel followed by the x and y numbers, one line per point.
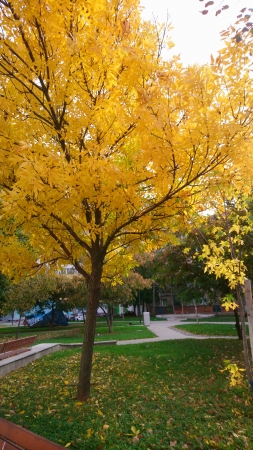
pixel 37 351
pixel 202 309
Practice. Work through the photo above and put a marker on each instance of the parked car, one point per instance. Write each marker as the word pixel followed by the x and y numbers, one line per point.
pixel 69 316
pixel 80 317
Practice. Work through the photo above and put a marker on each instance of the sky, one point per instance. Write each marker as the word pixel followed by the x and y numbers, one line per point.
pixel 195 36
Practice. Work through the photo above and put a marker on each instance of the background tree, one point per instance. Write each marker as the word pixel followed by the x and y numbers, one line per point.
pixel 101 140
pixel 78 294
pixel 23 296
pixel 4 283
pixel 224 254
pixel 122 293
pixel 177 270
pixel 65 293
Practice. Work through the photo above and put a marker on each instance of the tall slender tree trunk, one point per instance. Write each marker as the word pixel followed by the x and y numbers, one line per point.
pixel 18 327
pixel 196 311
pixel 237 324
pixel 111 319
pixel 84 382
pixel 108 317
pixel 244 337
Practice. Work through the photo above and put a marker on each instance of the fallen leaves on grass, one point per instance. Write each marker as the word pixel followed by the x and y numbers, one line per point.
pixel 181 405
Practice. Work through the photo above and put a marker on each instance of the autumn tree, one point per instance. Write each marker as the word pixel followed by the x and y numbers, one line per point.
pixel 123 292
pixel 25 294
pixel 225 253
pixel 101 140
pixel 77 294
pixel 61 294
pixel 4 283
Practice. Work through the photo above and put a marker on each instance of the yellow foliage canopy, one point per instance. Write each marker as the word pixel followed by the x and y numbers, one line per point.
pixel 101 140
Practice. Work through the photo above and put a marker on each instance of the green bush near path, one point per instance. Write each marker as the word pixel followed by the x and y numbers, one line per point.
pixel 162 395
pixel 209 329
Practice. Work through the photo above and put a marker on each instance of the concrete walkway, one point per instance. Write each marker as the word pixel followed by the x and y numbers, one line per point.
pixel 162 329
pixel 165 332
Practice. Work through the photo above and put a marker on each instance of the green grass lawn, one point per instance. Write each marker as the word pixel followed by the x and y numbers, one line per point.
pixel 219 318
pixel 28 330
pixel 209 329
pixel 74 333
pixel 119 333
pixel 159 396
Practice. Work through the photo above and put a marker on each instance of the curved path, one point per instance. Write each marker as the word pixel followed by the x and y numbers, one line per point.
pixel 164 331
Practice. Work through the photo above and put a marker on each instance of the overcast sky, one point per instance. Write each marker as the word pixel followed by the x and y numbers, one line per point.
pixel 196 36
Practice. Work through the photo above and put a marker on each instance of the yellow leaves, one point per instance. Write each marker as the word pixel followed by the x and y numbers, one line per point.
pixel 23 146
pixel 163 76
pixel 134 430
pixel 229 305
pixel 225 253
pixel 67 445
pixel 89 432
pixel 229 302
pixel 125 25
pixel 100 413
pixel 143 96
pixel 134 433
pixel 219 262
pixel 236 377
pixel 235 228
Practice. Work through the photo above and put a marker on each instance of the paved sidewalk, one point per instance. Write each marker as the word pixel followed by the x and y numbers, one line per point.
pixel 165 332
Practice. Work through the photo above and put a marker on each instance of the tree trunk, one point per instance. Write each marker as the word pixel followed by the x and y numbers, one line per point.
pixel 237 324
pixel 84 382
pixel 196 312
pixel 139 305
pixel 18 327
pixel 244 337
pixel 249 307
pixel 111 319
pixel 108 317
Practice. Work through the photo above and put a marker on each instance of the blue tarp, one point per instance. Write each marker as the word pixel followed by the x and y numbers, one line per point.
pixel 42 319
